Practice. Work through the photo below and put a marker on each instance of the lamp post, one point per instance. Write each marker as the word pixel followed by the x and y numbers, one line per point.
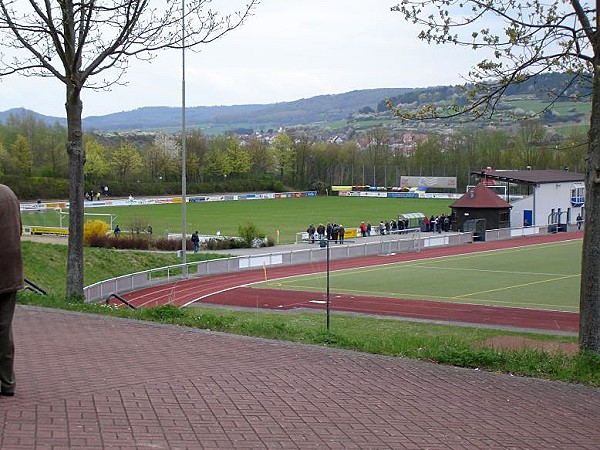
pixel 183 151
pixel 327 297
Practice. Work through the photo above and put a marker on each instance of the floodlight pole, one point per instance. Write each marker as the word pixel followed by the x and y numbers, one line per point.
pixel 184 271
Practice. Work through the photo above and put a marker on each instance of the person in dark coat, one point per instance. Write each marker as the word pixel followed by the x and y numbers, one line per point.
pixel 321 231
pixel 11 268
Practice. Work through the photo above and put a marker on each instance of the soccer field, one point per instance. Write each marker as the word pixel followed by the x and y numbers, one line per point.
pixel 542 277
pixel 279 218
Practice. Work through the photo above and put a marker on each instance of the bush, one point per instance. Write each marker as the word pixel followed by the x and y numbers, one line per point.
pixel 250 235
pixel 122 242
pixel 172 245
pixel 93 228
pixel 223 244
pixel 139 225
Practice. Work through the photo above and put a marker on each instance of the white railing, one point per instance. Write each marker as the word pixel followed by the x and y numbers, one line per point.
pixel 388 244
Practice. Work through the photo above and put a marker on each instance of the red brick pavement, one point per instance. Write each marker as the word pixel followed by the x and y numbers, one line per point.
pixel 93 382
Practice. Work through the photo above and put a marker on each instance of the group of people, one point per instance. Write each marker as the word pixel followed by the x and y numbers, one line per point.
pixel 437 224
pixel 91 196
pixel 335 232
pixel 332 232
pixel 392 226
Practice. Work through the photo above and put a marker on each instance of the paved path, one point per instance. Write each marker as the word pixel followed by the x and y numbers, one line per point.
pixel 92 382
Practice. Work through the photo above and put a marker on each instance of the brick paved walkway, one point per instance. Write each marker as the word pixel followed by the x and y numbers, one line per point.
pixel 91 382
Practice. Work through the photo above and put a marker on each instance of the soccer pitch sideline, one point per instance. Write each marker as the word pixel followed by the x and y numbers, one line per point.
pixel 545 276
pixel 280 219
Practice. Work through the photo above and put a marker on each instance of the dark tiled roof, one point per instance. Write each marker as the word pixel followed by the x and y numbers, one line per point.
pixel 532 176
pixel 480 197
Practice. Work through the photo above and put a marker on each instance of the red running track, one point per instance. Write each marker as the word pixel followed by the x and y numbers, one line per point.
pixel 231 290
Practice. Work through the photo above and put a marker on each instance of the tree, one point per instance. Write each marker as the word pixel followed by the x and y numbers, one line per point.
pixel 96 165
pixel 263 160
pixel 126 161
pixel 216 164
pixel 87 44
pixel 283 147
pixel 524 39
pixel 20 157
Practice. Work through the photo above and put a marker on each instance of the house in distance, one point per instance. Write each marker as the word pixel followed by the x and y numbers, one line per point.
pixel 480 209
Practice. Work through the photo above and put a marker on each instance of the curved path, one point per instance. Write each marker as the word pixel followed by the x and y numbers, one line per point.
pixel 231 290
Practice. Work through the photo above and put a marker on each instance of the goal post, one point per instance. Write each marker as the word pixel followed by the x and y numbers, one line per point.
pixel 400 241
pixel 105 217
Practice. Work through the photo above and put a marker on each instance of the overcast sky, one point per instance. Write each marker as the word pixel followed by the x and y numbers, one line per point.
pixel 288 50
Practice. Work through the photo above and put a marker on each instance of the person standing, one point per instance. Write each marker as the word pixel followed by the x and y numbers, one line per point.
pixel 341 233
pixel 363 229
pixel 321 231
pixel 196 241
pixel 11 268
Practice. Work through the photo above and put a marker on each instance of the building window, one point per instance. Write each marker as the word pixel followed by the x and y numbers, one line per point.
pixel 577 195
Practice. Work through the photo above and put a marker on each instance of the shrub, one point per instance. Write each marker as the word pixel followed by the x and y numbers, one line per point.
pixel 250 235
pixel 223 244
pixel 93 228
pixel 139 225
pixel 171 245
pixel 123 242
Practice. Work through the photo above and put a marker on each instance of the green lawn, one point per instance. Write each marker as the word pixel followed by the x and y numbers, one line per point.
pixel 543 277
pixel 281 218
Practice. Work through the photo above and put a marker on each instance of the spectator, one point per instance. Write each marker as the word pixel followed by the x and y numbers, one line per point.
pixel 311 233
pixel 321 231
pixel 363 229
pixel 195 241
pixel 334 232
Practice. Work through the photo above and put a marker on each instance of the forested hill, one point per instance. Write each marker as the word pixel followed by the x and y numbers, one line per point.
pixel 319 109
pixel 542 87
pixel 310 110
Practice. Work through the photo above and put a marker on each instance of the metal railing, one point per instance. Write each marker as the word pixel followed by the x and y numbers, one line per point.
pixel 384 245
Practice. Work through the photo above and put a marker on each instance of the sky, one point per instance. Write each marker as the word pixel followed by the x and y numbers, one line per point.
pixel 286 51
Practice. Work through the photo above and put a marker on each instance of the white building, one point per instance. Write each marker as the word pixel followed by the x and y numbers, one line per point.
pixel 553 196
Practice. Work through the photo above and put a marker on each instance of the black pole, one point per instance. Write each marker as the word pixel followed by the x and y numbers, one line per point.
pixel 328 308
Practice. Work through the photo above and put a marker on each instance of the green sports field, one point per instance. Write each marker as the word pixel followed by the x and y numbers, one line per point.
pixel 278 217
pixel 542 277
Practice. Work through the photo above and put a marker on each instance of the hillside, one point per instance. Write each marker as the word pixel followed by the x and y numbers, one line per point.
pixel 315 109
pixel 356 110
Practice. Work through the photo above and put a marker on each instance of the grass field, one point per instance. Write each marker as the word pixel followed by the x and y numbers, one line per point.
pixel 286 216
pixel 542 277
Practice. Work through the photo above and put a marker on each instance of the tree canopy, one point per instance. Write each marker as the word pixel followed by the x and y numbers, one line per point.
pixel 88 45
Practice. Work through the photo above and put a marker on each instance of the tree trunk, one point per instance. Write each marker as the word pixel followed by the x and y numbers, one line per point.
pixel 589 308
pixel 76 154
